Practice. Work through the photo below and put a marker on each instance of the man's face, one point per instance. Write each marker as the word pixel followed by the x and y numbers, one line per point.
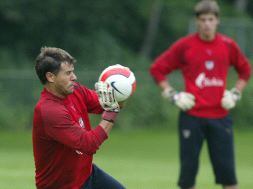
pixel 207 24
pixel 64 80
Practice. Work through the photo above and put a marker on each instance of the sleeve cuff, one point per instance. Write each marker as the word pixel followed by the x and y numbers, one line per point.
pixel 100 134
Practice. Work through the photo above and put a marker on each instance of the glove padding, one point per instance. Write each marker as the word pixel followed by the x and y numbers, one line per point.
pixel 230 97
pixel 106 97
pixel 185 101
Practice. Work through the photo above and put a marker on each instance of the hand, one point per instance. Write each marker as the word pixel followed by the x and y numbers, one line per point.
pixel 106 97
pixel 185 101
pixel 230 97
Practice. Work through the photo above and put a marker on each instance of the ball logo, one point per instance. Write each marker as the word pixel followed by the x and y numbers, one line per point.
pixel 203 81
pixel 114 87
pixel 209 64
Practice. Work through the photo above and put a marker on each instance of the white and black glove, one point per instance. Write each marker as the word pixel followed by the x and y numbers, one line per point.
pixel 106 97
pixel 185 101
pixel 230 97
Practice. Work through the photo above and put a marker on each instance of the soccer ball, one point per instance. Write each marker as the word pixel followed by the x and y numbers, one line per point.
pixel 121 79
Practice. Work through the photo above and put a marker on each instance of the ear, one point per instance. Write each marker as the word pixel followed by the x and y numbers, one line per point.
pixel 50 77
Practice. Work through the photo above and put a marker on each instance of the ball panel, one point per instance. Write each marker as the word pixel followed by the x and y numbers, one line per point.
pixel 133 87
pixel 111 70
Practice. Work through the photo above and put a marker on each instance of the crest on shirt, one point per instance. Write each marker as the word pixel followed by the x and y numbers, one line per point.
pixel 209 64
pixel 81 123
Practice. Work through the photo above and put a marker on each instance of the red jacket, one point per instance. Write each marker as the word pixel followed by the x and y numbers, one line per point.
pixel 204 66
pixel 63 140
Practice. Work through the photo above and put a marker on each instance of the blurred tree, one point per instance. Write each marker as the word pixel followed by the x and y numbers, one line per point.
pixel 152 28
pixel 241 5
pixel 90 29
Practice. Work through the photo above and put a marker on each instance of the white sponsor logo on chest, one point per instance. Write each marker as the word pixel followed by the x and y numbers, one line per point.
pixel 203 81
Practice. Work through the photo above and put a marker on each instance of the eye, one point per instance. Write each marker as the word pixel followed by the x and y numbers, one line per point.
pixel 69 72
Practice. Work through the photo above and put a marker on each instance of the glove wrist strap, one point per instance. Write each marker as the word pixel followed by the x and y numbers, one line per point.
pixel 109 116
pixel 171 94
pixel 237 94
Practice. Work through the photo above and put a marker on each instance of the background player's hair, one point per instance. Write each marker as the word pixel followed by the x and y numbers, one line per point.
pixel 207 6
pixel 50 60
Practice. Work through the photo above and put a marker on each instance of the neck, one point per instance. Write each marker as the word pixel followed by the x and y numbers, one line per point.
pixel 207 37
pixel 53 90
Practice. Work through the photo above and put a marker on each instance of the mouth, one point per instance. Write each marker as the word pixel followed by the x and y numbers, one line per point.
pixel 71 87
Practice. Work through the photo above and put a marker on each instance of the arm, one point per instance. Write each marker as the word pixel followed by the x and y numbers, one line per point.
pixel 162 66
pixel 106 125
pixel 165 85
pixel 243 68
pixel 240 84
pixel 241 65
pixel 60 127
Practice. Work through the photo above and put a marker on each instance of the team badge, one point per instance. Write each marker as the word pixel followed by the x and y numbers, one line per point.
pixel 209 64
pixel 186 133
pixel 81 122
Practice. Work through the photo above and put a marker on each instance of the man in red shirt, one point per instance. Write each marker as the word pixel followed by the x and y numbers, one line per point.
pixel 63 140
pixel 204 59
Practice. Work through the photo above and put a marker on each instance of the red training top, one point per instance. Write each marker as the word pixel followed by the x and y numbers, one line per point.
pixel 204 66
pixel 63 141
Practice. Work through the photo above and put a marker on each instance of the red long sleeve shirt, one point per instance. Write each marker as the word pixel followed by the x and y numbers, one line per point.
pixel 204 66
pixel 63 140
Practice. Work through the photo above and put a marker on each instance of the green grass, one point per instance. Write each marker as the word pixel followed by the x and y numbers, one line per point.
pixel 139 159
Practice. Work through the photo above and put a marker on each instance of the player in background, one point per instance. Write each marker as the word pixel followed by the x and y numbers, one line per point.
pixel 63 141
pixel 204 59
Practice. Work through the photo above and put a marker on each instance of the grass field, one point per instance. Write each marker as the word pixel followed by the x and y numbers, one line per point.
pixel 139 159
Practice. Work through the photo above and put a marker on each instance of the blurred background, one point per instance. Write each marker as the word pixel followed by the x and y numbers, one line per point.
pixel 98 34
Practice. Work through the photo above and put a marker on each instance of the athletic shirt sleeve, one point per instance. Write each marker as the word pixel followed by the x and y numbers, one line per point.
pixel 90 98
pixel 60 127
pixel 240 62
pixel 168 61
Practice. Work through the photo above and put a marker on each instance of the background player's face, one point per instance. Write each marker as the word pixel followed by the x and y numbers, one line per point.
pixel 207 25
pixel 64 80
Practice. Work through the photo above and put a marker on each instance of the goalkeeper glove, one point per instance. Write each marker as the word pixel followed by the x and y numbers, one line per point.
pixel 230 97
pixel 185 101
pixel 106 97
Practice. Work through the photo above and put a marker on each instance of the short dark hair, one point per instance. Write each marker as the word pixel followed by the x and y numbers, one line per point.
pixel 207 6
pixel 50 60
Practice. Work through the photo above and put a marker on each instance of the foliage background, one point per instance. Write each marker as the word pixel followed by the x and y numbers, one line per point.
pixel 99 34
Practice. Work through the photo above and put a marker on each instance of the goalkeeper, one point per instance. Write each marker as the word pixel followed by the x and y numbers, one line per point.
pixel 204 59
pixel 63 140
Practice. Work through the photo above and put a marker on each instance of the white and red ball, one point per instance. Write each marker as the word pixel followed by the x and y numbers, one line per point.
pixel 121 79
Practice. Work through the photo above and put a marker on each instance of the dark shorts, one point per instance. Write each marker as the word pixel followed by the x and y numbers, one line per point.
pixel 101 180
pixel 219 136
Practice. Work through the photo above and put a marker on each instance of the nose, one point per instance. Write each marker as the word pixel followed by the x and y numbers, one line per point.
pixel 74 78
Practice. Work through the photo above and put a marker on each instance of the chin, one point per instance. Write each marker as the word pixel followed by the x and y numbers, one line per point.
pixel 70 91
